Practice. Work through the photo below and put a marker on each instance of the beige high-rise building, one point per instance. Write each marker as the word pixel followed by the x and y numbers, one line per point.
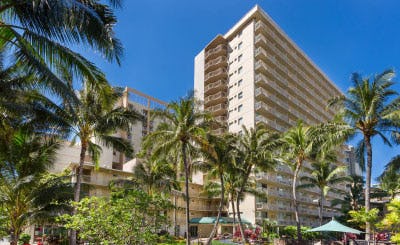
pixel 256 73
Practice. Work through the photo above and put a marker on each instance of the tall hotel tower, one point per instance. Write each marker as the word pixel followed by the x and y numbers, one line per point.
pixel 256 73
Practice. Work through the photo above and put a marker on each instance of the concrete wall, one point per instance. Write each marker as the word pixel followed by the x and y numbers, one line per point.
pixel 241 80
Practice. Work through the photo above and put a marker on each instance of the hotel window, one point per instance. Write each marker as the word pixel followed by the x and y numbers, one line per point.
pixel 240 107
pixel 239 45
pixel 239 82
pixel 239 70
pixel 239 58
pixel 240 95
pixel 240 121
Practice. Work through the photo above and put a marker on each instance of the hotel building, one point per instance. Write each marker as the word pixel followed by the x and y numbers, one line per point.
pixel 253 74
pixel 113 165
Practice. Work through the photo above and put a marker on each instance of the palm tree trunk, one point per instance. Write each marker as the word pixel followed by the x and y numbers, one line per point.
pixel 221 204
pixel 14 237
pixel 296 206
pixel 72 239
pixel 239 218
pixel 185 164
pixel 234 213
pixel 321 206
pixel 368 146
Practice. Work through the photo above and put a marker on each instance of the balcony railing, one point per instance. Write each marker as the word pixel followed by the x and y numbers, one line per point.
pixel 215 86
pixel 215 98
pixel 221 48
pixel 215 62
pixel 219 73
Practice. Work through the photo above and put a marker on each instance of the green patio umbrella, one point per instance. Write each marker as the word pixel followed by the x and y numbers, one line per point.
pixel 333 225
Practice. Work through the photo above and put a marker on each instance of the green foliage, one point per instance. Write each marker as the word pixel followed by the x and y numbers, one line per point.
pixel 128 217
pixel 362 216
pixel 24 238
pixel 27 192
pixel 291 232
pixel 391 221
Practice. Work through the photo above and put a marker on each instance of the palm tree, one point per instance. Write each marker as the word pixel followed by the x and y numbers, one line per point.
pixel 154 174
pixel 36 32
pixel 298 147
pixel 389 180
pixel 183 132
pixel 217 158
pixel 93 120
pixel 324 176
pixel 27 192
pixel 255 150
pixel 367 108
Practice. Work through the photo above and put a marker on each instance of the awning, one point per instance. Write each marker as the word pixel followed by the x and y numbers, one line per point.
pixel 333 225
pixel 212 220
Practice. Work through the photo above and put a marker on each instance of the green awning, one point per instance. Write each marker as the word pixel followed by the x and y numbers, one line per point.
pixel 212 220
pixel 333 225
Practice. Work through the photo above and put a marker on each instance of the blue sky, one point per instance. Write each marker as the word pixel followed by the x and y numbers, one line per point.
pixel 161 38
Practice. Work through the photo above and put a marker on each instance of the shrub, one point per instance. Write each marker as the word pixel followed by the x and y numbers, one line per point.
pixel 24 238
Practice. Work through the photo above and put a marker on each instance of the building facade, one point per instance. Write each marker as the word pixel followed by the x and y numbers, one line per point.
pixel 256 74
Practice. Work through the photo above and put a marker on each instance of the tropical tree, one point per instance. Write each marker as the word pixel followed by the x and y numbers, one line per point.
pixel 183 132
pixel 154 174
pixel 353 197
pixel 93 120
pixel 217 157
pixel 255 151
pixel 128 217
pixel 367 109
pixel 27 192
pixel 391 221
pixel 389 180
pixel 298 147
pixel 36 33
pixel 324 176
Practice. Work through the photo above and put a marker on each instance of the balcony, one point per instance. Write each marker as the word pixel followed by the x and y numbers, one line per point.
pixel 217 98
pixel 261 205
pixel 212 88
pixel 215 63
pixel 280 194
pixel 217 110
pixel 260 92
pixel 220 73
pixel 214 52
pixel 261 53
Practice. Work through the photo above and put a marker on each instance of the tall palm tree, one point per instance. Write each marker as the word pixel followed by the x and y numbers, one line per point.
pixel 255 150
pixel 216 159
pixel 27 192
pixel 324 176
pixel 367 108
pixel 93 120
pixel 298 147
pixel 184 131
pixel 36 34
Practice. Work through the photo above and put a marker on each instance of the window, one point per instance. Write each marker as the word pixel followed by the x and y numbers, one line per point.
pixel 239 82
pixel 240 107
pixel 240 121
pixel 239 34
pixel 240 95
pixel 239 58
pixel 240 70
pixel 239 45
